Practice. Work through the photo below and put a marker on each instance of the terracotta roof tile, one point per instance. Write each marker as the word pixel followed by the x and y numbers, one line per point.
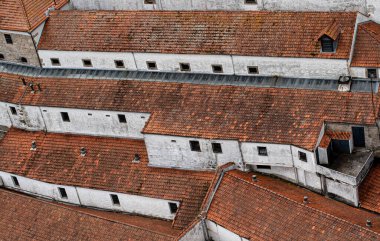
pixel 369 190
pixel 367 46
pixel 339 135
pixel 25 15
pixel 107 166
pixel 257 213
pixel 333 30
pixel 325 141
pixel 253 33
pixel 293 116
pixel 26 218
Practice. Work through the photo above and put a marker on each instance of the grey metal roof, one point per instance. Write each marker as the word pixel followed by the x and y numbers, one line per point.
pixel 358 85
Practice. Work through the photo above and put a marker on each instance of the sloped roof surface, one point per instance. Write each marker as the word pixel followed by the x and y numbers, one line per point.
pixel 256 213
pixel 26 218
pixel 25 15
pixel 367 46
pixel 253 33
pixel 369 190
pixel 106 166
pixel 206 111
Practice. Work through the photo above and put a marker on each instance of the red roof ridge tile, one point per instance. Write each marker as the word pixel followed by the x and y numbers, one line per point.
pixel 298 203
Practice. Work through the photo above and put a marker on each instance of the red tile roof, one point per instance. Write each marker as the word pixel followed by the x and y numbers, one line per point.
pixel 294 116
pixel 257 213
pixel 249 33
pixel 106 166
pixel 27 218
pixel 333 135
pixel 369 190
pixel 367 46
pixel 25 15
pixel 325 141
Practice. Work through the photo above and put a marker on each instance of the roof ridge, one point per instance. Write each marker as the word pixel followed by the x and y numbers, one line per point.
pixel 370 33
pixel 81 212
pixel 25 14
pixel 300 204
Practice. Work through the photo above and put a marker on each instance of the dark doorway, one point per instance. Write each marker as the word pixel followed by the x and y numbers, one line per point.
pixel 358 136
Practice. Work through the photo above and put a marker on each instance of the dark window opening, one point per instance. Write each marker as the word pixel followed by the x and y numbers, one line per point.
pixel 327 44
pixel 115 199
pixel 358 136
pixel 8 38
pixel 151 65
pixel 184 66
pixel 13 110
pixel 372 73
pixel 65 116
pixel 263 167
pixel 87 62
pixel 55 62
pixel 250 1
pixel 15 181
pixel 149 1
pixel 302 156
pixel 62 192
pixel 119 64
pixel 2 56
pixel 173 207
pixel 217 68
pixel 253 70
pixel 23 60
pixel 122 118
pixel 195 146
pixel 216 148
pixel 262 151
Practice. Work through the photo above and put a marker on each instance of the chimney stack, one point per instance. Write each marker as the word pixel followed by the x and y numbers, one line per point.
pixel 83 151
pixel 137 158
pixel 254 178
pixel 305 199
pixel 34 146
pixel 369 223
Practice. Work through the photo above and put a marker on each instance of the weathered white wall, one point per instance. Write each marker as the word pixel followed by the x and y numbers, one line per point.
pixel 36 33
pixel 43 189
pixel 268 66
pixel 4 116
pixel 287 173
pixel 174 151
pixel 309 180
pixel 278 155
pixel 128 203
pixel 362 72
pixel 28 117
pixel 194 234
pixel 347 192
pixel 100 60
pixel 101 123
pixel 292 67
pixel 307 166
pixel 218 233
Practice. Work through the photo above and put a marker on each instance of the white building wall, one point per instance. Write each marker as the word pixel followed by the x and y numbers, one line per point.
pixel 292 67
pixel 287 173
pixel 100 60
pixel 309 165
pixel 194 234
pixel 360 72
pixel 174 151
pixel 28 117
pixel 94 122
pixel 342 190
pixel 218 233
pixel 4 116
pixel 128 203
pixel 36 33
pixel 278 155
pixel 41 189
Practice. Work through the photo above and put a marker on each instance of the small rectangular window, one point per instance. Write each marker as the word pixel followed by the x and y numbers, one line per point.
pixel 62 192
pixel 15 181
pixel 253 70
pixel 184 67
pixel 262 151
pixel 327 44
pixel 65 117
pixel 195 146
pixel 149 1
pixel 8 38
pixel 216 147
pixel 263 167
pixel 122 118
pixel 372 73
pixel 13 110
pixel 302 156
pixel 119 64
pixel 2 56
pixel 250 1
pixel 151 65
pixel 173 207
pixel 115 200
pixel 55 62
pixel 87 62
pixel 217 68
